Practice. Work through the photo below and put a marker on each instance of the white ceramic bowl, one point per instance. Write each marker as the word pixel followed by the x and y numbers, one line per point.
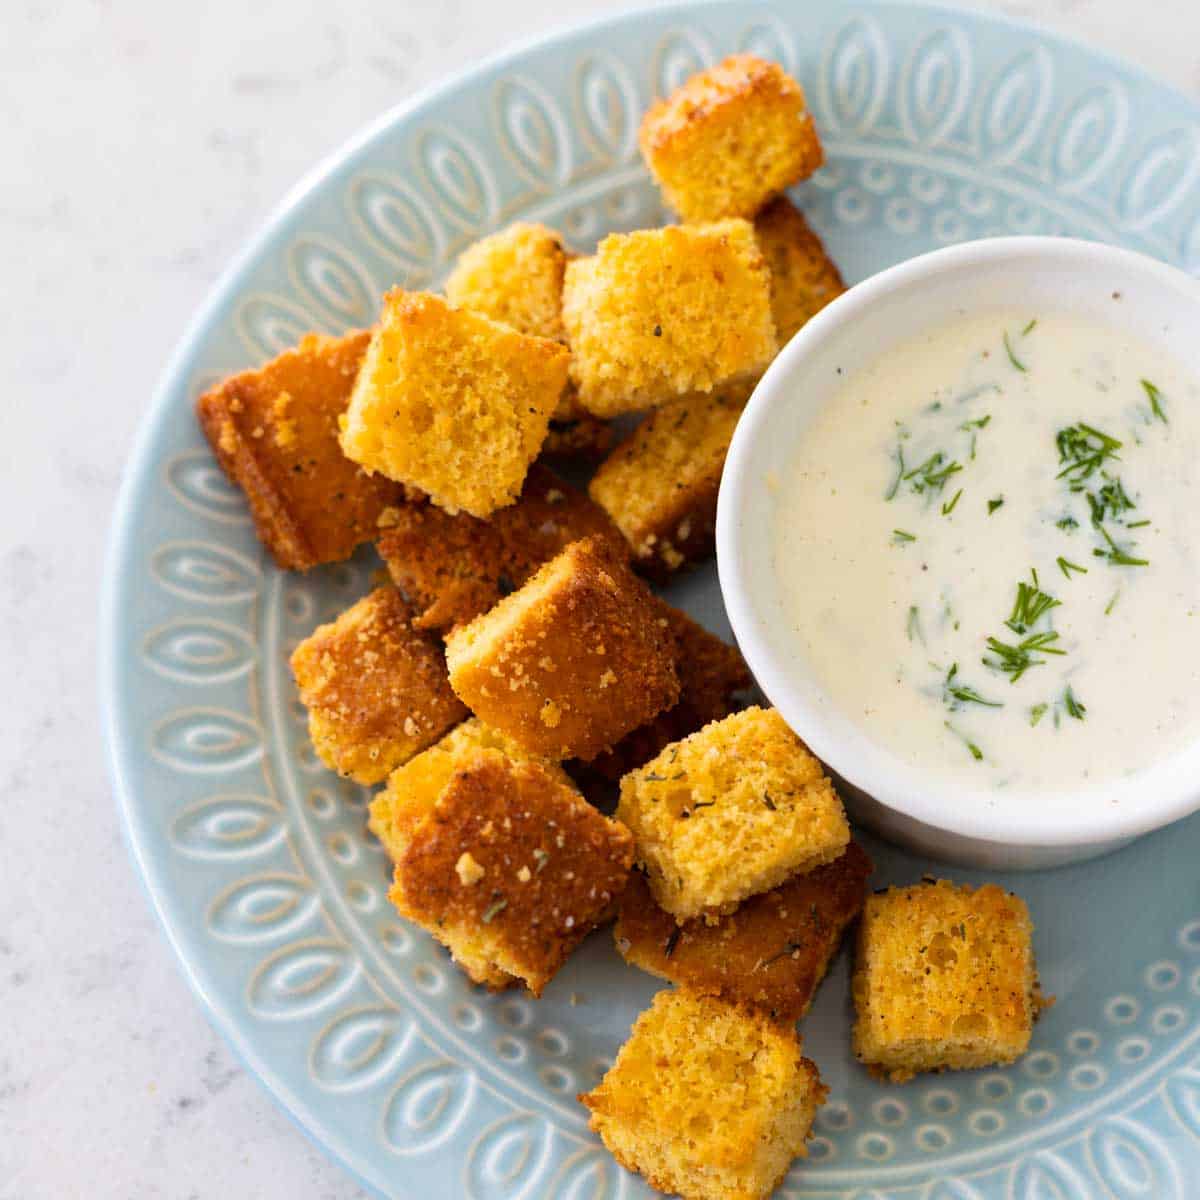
pixel 885 792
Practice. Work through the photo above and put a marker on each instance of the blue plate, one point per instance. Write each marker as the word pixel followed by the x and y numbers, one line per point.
pixel 940 125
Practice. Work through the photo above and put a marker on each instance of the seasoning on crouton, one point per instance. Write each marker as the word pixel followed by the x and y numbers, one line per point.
pixel 730 812
pixel 707 1099
pixel 803 277
pixel 944 977
pixel 586 438
pixel 712 674
pixel 455 567
pixel 452 402
pixel 656 315
pixel 510 870
pixel 729 139
pixel 413 789
pixel 376 689
pixel 274 431
pixel 660 484
pixel 571 662
pixel 771 953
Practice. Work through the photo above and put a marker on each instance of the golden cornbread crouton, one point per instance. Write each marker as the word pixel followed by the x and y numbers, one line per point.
pixel 510 870
pixel 452 402
pixel 712 674
pixel 707 1099
pixel 454 567
pixel 944 977
pixel 375 688
pixel 771 953
pixel 413 789
pixel 274 431
pixel 658 314
pixel 730 138
pixel 729 812
pixel 660 484
pixel 571 662
pixel 803 277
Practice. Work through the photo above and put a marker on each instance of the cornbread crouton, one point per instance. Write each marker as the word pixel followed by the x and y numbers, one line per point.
pixel 516 276
pixel 455 567
pixel 413 789
pixel 452 402
pixel 510 870
pixel 571 662
pixel 274 431
pixel 660 484
pixel 944 977
pixel 706 1099
pixel 656 315
pixel 711 672
pixel 803 277
pixel 376 689
pixel 729 139
pixel 729 812
pixel 771 953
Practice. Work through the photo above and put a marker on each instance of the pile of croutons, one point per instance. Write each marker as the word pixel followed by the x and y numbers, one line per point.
pixel 518 660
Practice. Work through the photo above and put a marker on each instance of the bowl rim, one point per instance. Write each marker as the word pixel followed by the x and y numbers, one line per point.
pixel 938 804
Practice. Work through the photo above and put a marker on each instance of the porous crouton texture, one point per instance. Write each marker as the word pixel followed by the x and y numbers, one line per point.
pixel 771 953
pixel 729 139
pixel 516 276
pixel 707 1099
pixel 730 812
pixel 656 315
pixel 660 484
pixel 712 678
pixel 454 567
pixel 376 689
pixel 452 402
pixel 274 431
pixel 803 277
pixel 944 977
pixel 413 789
pixel 511 869
pixel 571 662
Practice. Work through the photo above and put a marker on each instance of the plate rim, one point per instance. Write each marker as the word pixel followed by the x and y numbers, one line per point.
pixel 120 751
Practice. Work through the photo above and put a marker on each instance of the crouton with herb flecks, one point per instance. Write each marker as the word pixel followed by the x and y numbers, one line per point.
pixel 771 953
pixel 660 484
pixel 510 870
pixel 454 567
pixel 707 1099
pixel 452 403
pixel 729 138
pixel 729 812
pixel 573 660
pixel 656 315
pixel 944 978
pixel 375 688
pixel 274 431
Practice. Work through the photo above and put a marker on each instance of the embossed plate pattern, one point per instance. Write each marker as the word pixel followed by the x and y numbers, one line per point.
pixel 940 126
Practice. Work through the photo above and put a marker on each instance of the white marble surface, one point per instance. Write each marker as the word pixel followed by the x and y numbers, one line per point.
pixel 143 142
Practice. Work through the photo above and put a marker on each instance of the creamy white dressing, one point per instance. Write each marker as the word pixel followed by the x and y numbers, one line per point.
pixel 893 600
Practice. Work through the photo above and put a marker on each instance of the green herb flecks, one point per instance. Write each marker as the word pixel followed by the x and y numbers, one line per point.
pixel 972 748
pixel 956 694
pixel 933 474
pixel 493 910
pixel 1112 603
pixel 902 537
pixel 948 508
pixel 1072 705
pixel 1037 712
pixel 1156 400
pixel 1067 566
pixel 1012 356
pixel 1117 556
pixel 1082 451
pixel 1030 606
pixel 913 628
pixel 998 502
pixel 1067 522
pixel 1109 502
pixel 890 494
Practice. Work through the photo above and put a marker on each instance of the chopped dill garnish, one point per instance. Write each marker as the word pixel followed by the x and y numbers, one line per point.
pixel 932 474
pixel 1155 397
pixel 901 536
pixel 948 508
pixel 890 494
pixel 493 910
pixel 978 423
pixel 1030 604
pixel 1118 556
pixel 1072 705
pixel 1012 358
pixel 1067 522
pixel 542 857
pixel 1084 450
pixel 1109 502
pixel 975 751
pixel 1112 603
pixel 1037 712
pixel 998 502
pixel 1067 566
pixel 914 625
pixel 956 694
pixel 1029 328
pixel 1136 524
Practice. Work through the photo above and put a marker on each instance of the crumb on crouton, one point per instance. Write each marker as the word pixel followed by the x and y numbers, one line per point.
pixel 376 689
